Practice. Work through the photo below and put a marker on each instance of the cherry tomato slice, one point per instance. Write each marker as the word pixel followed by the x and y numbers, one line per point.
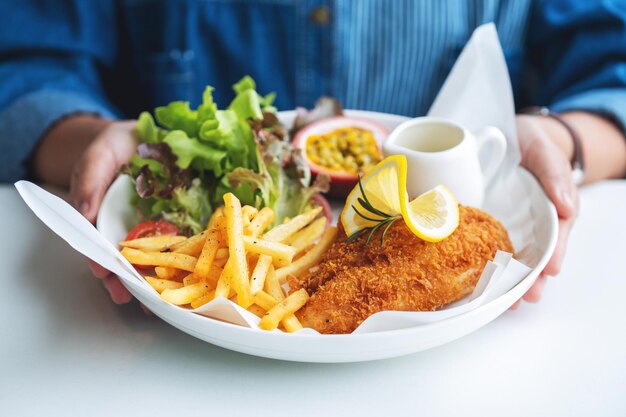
pixel 152 228
pixel 322 202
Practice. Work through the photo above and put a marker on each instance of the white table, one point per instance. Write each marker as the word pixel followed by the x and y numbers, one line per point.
pixel 65 349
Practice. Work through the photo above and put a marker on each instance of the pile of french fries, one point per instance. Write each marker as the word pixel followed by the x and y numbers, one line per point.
pixel 236 258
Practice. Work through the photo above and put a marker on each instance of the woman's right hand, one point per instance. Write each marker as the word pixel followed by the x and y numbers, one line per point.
pixel 85 153
pixel 91 177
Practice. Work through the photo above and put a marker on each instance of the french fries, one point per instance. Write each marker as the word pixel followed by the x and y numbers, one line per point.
pixel 152 244
pixel 272 286
pixel 239 280
pixel 207 256
pixel 260 222
pixel 262 267
pixel 283 309
pixel 306 237
pixel 191 246
pixel 309 259
pixel 203 299
pixel 281 254
pixel 161 285
pixel 186 294
pixel 165 272
pixel 284 231
pixel 222 288
pixel 237 259
pixel 169 259
pixel 215 218
pixel 266 302
pixel 248 213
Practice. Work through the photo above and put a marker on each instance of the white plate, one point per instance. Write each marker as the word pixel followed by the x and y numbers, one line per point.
pixel 116 217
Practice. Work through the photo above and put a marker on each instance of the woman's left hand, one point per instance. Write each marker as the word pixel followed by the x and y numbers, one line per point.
pixel 549 161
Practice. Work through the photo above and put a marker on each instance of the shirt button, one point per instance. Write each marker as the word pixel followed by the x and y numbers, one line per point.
pixel 320 16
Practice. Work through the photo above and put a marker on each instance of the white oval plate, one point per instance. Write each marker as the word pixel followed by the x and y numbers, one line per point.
pixel 116 217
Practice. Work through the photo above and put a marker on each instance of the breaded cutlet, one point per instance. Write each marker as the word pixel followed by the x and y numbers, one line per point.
pixel 355 280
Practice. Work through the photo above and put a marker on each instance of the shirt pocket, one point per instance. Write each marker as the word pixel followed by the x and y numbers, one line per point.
pixel 166 76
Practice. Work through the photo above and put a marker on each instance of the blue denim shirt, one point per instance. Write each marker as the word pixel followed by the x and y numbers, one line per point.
pixel 117 58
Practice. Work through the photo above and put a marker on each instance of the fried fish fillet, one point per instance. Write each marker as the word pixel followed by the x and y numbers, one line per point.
pixel 354 281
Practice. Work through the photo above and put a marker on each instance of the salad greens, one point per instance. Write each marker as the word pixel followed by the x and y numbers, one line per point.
pixel 188 159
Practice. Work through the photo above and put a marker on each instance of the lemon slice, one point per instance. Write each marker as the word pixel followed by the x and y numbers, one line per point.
pixel 432 216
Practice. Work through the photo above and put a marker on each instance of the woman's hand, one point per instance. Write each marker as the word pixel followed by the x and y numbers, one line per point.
pixel 91 177
pixel 547 149
pixel 85 153
pixel 546 153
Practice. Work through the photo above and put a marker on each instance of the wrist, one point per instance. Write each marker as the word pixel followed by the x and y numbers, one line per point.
pixel 557 133
pixel 566 136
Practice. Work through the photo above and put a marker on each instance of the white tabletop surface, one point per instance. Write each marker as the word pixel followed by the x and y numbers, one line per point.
pixel 66 349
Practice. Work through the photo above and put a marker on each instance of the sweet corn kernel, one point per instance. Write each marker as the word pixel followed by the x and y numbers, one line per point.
pixel 348 149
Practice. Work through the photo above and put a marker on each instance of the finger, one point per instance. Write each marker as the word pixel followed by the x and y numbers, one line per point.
pixel 119 294
pixel 553 267
pixel 146 310
pixel 561 190
pixel 533 295
pixel 99 165
pixel 554 173
pixel 90 179
pixel 97 270
pixel 516 305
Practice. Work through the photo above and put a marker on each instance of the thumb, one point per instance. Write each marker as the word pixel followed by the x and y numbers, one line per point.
pixel 98 166
pixel 90 179
pixel 561 190
pixel 554 173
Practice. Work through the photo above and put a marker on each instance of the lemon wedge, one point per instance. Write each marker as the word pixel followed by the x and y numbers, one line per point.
pixel 381 197
pixel 434 215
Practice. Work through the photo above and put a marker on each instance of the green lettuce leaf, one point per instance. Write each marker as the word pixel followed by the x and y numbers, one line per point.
pixel 190 150
pixel 189 208
pixel 147 129
pixel 189 158
pixel 178 116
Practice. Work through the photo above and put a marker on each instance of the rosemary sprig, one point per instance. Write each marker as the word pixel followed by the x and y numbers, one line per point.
pixel 383 219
